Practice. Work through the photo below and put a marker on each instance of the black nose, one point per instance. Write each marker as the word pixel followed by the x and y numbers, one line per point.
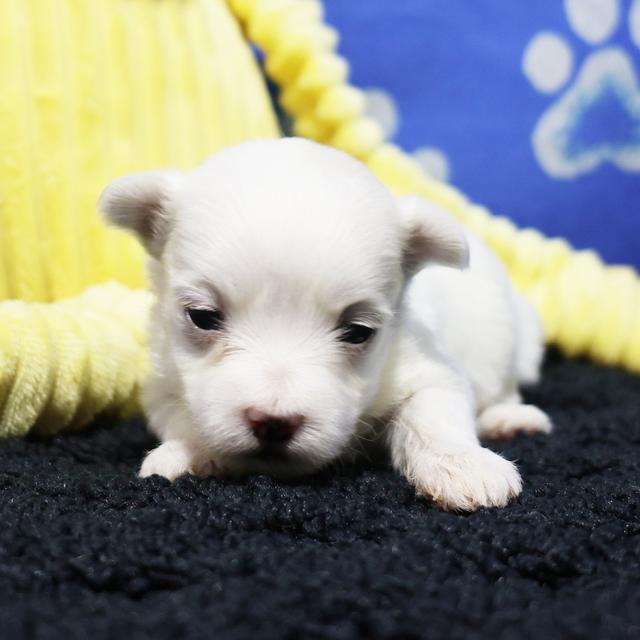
pixel 272 430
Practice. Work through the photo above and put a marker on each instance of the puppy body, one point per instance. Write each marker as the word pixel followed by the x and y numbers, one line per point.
pixel 297 299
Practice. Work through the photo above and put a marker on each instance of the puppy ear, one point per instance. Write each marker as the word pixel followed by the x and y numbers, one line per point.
pixel 140 202
pixel 431 235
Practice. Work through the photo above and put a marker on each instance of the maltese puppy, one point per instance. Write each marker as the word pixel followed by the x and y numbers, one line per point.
pixel 302 309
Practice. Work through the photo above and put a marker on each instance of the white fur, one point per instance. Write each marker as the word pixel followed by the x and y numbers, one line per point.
pixel 283 237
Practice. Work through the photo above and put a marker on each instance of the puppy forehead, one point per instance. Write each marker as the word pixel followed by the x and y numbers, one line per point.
pixel 284 281
pixel 291 214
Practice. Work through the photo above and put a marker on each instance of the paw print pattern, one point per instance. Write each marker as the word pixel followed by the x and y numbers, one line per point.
pixel 596 118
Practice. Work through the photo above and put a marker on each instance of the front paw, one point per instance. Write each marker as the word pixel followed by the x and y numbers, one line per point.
pixel 465 479
pixel 173 459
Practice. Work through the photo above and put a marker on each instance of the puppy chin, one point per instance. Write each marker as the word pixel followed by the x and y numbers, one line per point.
pixel 277 465
pixel 290 461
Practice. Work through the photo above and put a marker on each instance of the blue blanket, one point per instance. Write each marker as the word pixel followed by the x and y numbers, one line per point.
pixel 531 108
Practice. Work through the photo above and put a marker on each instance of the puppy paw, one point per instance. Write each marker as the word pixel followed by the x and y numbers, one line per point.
pixel 173 459
pixel 502 421
pixel 466 479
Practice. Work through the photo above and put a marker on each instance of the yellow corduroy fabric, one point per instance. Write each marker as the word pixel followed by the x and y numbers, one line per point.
pixel 91 89
pixel 94 89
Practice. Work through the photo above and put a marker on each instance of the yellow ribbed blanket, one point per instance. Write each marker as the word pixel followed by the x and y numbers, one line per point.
pixel 92 89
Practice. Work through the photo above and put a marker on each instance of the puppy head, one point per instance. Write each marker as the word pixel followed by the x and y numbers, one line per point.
pixel 279 267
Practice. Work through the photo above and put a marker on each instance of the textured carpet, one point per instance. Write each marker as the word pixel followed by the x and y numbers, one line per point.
pixel 89 551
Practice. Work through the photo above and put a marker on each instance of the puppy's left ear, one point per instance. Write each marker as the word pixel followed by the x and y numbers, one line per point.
pixel 141 203
pixel 431 235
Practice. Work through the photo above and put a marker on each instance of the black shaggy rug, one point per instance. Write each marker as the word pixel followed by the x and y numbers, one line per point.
pixel 87 550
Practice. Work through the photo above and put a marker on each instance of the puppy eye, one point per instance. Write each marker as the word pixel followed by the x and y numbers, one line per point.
pixel 206 319
pixel 355 333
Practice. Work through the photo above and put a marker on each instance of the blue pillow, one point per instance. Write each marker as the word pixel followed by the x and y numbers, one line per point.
pixel 531 108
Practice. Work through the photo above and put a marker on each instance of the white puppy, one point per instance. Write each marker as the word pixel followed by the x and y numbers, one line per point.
pixel 302 309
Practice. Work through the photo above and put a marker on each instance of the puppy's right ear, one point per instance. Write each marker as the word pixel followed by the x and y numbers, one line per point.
pixel 141 203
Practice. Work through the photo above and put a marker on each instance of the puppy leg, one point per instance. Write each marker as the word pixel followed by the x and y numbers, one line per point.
pixel 434 443
pixel 181 451
pixel 175 458
pixel 504 420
